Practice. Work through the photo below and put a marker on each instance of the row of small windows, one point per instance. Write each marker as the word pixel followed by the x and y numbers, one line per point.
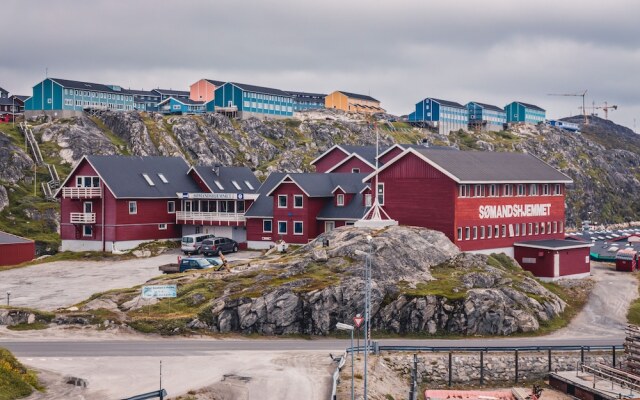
pixel 510 230
pixel 97 95
pixel 260 106
pixel 298 227
pixel 101 103
pixel 268 97
pixel 533 189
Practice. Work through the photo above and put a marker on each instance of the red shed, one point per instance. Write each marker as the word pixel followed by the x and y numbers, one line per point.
pixel 15 249
pixel 554 259
pixel 627 260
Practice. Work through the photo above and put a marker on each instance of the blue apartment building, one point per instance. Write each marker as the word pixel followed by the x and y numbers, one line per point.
pixel 181 106
pixel 65 98
pixel 486 117
pixel 519 112
pixel 166 93
pixel 145 100
pixel 443 115
pixel 307 101
pixel 244 101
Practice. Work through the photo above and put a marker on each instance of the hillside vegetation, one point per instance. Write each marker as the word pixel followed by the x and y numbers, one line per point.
pixel 604 160
pixel 16 381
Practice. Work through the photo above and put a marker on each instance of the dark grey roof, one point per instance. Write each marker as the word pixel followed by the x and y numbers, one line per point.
pixel 170 92
pixel 7 238
pixel 488 106
pixel 358 96
pixel 305 94
pixel 226 176
pixel 215 83
pixel 448 103
pixel 3 91
pixel 260 89
pixel 263 206
pixel 183 101
pixel 366 152
pixel 20 97
pixel 123 175
pixel 142 92
pixel 354 210
pixel 488 166
pixel 99 87
pixel 6 101
pixel 553 244
pixel 531 106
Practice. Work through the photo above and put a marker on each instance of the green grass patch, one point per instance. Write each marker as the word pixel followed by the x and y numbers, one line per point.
pixel 117 141
pixel 16 381
pixel 36 326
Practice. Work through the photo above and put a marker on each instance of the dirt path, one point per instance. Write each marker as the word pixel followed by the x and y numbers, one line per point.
pixel 63 283
pixel 605 313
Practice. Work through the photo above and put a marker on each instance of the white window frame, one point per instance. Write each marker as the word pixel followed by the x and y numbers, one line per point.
pixel 340 200
pixel 459 233
pixel 280 196
pixel 475 233
pixel 368 200
pixel 507 190
pixel 482 232
pixel 557 189
pixel 171 205
pixel 355 170
pixel 379 194
pixel 522 190
pixel 493 190
pixel 533 189
pixel 489 232
pixel 329 223
pixel 464 191
pixel 162 227
pixel 263 227
pixel 249 185
pixel 545 189
pixel 162 178
pixel 467 233
pixel 296 197
pixel 235 184
pixel 478 191
pixel 84 231
pixel 280 232
pixel 148 179
pixel 301 223
pixel 135 207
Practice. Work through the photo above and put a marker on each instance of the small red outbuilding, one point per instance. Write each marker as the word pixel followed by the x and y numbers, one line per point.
pixel 15 249
pixel 554 259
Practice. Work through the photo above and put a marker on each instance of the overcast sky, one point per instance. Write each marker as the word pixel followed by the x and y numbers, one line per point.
pixel 399 51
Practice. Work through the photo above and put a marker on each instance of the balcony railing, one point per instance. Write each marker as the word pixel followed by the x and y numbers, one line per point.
pixel 81 192
pixel 196 216
pixel 83 218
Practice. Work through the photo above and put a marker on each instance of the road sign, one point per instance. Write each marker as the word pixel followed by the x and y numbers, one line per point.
pixel 358 320
pixel 159 291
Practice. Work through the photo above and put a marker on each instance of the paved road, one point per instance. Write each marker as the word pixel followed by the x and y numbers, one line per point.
pixel 196 347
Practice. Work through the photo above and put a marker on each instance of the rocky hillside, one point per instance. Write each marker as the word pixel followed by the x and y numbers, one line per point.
pixel 421 283
pixel 603 160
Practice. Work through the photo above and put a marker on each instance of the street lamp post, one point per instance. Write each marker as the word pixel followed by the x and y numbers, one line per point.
pixel 347 327
pixel 8 296
pixel 367 314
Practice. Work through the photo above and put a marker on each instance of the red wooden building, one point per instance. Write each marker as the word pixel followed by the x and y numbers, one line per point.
pixel 15 249
pixel 347 158
pixel 553 259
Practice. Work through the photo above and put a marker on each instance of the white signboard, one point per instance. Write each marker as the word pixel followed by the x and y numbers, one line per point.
pixel 159 291
pixel 514 211
pixel 212 196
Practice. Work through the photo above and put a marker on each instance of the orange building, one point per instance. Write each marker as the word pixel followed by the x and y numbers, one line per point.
pixel 353 102
pixel 204 90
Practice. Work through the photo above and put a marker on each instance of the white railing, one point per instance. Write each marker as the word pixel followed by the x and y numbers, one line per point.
pixel 209 216
pixel 83 218
pixel 81 192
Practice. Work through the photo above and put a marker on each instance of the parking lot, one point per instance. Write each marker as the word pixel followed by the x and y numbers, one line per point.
pixel 60 284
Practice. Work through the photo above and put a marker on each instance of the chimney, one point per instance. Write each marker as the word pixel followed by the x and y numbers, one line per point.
pixel 216 169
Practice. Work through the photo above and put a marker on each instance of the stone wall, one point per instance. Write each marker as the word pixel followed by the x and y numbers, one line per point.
pixel 433 368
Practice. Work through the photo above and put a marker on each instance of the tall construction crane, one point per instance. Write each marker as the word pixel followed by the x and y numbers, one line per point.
pixel 583 94
pixel 605 107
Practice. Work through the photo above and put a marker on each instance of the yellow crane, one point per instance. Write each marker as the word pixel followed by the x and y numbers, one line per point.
pixel 605 107
pixel 583 94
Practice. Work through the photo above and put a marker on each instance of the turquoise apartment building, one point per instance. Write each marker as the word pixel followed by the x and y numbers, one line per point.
pixel 244 101
pixel 519 112
pixel 486 117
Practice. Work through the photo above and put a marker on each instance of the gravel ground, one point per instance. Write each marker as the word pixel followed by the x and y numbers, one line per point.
pixel 60 284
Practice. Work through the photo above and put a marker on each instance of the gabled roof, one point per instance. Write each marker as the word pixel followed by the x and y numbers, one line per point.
pixel 372 164
pixel 225 176
pixel 317 184
pixel 8 238
pixel 358 96
pixel 404 146
pixel 263 206
pixel 3 91
pixel 181 100
pixel 527 105
pixel 215 83
pixel 260 89
pixel 447 103
pixel 305 94
pixel 354 210
pixel 142 92
pixel 20 97
pixel 6 101
pixel 488 106
pixel 171 92
pixel 123 175
pixel 99 87
pixel 329 150
pixel 486 166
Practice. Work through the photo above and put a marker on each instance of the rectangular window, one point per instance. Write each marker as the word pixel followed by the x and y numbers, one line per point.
pixel 329 226
pixel 249 185
pixel 478 191
pixel 542 230
pixel 459 233
pixel 482 232
pixel 504 230
pixel 149 181
pixel 496 231
pixel 489 232
pixel 557 189
pixel 530 228
pixel 218 184
pixel 549 227
pixel 475 233
pixel 133 207
pixel 282 201
pixel 464 191
pixel 368 200
pixel 87 230
pixel 517 229
pixel 162 227
pixel 524 229
pixel 381 194
pixel 267 225
pixel 340 200
pixel 355 170
pixel 282 227
pixel 297 228
pixel 545 189
pixel 555 226
pixel 171 207
pixel 235 184
pixel 560 227
pixel 162 178
pixel 508 190
pixel 521 190
pixel 536 227
pixel 533 189
pixel 298 201
pixel 467 233
pixel 493 190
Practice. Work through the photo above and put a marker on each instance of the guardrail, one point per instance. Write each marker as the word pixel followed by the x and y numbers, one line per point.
pixel 83 218
pixel 485 348
pixel 336 375
pixel 81 192
pixel 197 216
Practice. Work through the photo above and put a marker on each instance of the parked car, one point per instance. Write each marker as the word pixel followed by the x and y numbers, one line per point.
pixel 187 263
pixel 191 243
pixel 218 245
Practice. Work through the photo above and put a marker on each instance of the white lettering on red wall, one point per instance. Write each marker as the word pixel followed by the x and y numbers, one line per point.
pixel 514 211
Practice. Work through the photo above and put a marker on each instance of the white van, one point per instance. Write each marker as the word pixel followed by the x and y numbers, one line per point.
pixel 191 243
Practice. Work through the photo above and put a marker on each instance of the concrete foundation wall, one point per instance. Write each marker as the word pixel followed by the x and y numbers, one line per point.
pixel 53 113
pixel 248 114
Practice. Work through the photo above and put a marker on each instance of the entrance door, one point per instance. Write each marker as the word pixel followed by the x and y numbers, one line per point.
pixel 329 226
pixel 88 207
